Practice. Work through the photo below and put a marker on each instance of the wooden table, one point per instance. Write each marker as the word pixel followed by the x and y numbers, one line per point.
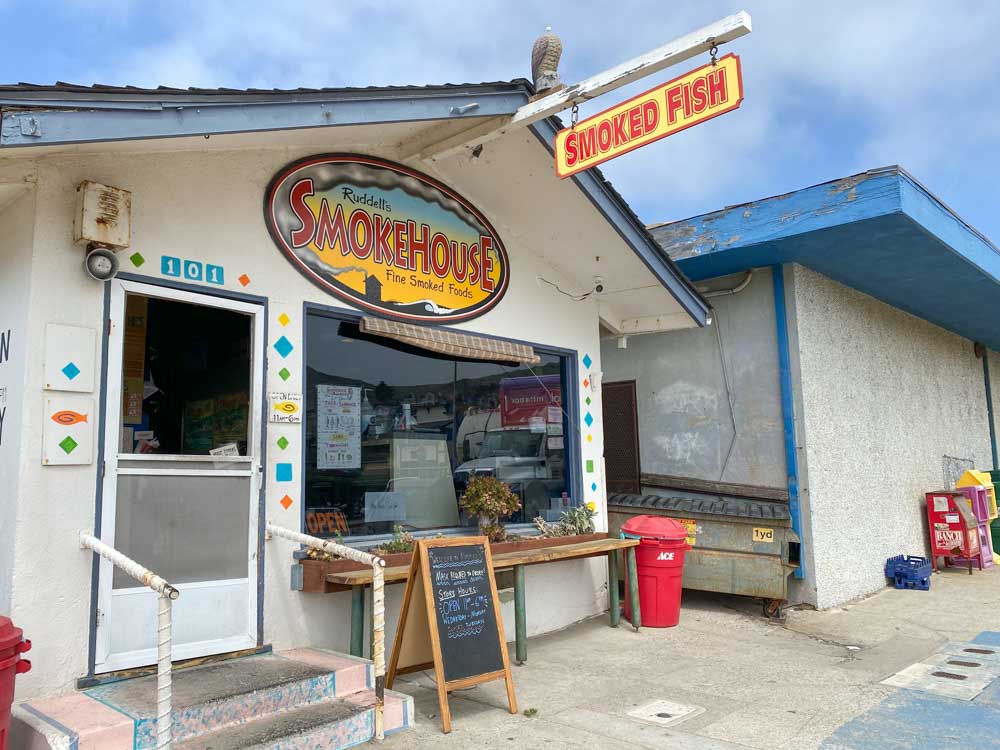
pixel 358 579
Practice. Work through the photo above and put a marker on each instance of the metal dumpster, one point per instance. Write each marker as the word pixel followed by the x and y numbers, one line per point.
pixel 739 546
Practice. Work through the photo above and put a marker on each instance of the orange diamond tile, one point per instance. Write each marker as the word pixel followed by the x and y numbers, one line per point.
pixel 244 279
pixel 586 383
pixel 286 502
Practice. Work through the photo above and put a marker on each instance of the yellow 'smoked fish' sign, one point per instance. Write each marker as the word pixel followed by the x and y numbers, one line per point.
pixel 704 93
pixel 386 238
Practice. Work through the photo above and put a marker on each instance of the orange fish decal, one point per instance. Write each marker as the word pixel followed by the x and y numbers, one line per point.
pixel 68 417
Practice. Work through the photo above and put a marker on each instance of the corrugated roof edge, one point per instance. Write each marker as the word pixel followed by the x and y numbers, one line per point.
pixel 25 92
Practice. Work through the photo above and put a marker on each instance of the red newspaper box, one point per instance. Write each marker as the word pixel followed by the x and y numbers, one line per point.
pixel 953 528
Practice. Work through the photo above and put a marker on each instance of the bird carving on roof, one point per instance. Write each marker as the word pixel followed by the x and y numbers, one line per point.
pixel 545 54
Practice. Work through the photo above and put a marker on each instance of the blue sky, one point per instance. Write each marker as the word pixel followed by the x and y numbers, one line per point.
pixel 831 89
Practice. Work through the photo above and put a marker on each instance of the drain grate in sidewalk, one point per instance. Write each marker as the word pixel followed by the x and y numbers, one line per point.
pixel 665 713
pixel 951 672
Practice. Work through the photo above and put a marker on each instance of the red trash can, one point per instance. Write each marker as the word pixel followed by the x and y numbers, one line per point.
pixel 12 645
pixel 659 562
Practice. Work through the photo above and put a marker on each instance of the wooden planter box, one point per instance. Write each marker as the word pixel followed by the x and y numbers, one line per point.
pixel 314 572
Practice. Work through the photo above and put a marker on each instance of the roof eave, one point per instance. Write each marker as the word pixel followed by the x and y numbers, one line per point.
pixel 633 232
pixel 43 121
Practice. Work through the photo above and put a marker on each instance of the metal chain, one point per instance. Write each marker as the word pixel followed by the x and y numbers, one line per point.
pixel 713 52
pixel 575 115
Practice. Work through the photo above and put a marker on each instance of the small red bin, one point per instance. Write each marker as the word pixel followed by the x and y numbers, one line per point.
pixel 659 562
pixel 12 645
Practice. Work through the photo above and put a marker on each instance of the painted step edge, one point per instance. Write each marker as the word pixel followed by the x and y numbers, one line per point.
pixel 342 732
pixel 32 730
pixel 398 717
pixel 345 676
pixel 353 672
pixel 238 709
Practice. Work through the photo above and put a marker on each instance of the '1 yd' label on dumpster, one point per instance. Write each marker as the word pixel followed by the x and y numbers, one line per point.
pixel 763 536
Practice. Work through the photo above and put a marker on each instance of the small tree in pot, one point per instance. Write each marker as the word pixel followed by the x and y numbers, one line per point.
pixel 489 500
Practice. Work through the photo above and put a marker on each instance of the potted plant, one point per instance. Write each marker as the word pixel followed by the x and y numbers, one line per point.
pixel 491 501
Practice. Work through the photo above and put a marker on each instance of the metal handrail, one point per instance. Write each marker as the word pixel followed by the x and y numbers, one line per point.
pixel 378 605
pixel 164 645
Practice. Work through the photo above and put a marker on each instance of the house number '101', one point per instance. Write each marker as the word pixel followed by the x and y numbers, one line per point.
pixel 192 270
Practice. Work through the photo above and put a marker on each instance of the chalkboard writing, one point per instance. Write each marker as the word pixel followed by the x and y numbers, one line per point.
pixel 461 585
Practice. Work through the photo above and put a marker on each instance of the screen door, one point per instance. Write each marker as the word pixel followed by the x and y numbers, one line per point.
pixel 182 471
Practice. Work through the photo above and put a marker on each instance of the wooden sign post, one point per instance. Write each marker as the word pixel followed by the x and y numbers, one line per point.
pixel 450 620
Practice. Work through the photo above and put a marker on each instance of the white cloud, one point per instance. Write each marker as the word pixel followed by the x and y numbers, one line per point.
pixel 830 88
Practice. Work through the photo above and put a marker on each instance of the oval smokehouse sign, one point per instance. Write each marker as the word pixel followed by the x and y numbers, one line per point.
pixel 386 238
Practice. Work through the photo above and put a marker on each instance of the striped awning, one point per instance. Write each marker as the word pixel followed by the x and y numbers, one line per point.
pixel 452 343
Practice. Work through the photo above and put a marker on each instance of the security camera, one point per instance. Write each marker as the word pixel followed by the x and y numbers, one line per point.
pixel 598 284
pixel 100 264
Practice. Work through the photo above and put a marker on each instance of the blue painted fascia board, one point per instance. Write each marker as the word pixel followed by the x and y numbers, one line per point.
pixel 944 225
pixel 181 119
pixel 747 236
pixel 631 229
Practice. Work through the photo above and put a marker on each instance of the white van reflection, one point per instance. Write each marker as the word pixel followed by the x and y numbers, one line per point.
pixel 521 459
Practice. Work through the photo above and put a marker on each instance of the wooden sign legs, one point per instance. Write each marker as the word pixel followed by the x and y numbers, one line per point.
pixel 451 590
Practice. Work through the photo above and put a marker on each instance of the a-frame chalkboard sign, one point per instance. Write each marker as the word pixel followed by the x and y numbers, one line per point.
pixel 450 620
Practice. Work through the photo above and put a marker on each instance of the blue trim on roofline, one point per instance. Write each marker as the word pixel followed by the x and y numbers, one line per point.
pixel 880 232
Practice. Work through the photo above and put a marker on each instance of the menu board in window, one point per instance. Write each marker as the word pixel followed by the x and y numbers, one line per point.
pixel 450 620
pixel 338 427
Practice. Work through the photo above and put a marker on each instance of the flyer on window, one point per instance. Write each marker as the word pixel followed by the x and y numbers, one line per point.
pixel 338 427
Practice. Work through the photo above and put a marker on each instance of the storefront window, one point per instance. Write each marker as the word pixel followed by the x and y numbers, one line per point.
pixel 394 432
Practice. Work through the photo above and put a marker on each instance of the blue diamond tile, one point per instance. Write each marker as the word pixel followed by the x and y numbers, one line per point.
pixel 71 371
pixel 588 419
pixel 283 346
pixel 587 361
pixel 593 486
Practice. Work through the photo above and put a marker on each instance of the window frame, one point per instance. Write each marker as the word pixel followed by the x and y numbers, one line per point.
pixel 572 432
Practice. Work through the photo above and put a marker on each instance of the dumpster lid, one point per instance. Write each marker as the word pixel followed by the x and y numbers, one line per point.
pixel 655 527
pixel 9 635
pixel 709 505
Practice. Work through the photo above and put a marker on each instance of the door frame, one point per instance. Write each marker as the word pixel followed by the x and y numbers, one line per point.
pixel 183 291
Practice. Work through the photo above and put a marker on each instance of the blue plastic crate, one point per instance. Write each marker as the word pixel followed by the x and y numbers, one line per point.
pixel 909 572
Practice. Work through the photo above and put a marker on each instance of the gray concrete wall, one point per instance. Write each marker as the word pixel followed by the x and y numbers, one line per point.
pixel 686 425
pixel 16 231
pixel 886 399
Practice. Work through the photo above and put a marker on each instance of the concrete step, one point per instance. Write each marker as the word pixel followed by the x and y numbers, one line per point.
pixel 330 725
pixel 222 699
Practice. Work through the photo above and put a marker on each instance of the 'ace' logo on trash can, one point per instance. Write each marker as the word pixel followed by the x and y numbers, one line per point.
pixel 666 556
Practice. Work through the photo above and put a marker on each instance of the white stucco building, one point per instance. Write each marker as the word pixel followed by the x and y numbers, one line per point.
pixel 141 409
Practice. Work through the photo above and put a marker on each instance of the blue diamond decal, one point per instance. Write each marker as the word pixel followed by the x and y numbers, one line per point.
pixel 594 486
pixel 283 346
pixel 71 371
pixel 587 361
pixel 588 419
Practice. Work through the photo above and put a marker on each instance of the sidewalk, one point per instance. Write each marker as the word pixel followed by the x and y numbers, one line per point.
pixel 812 683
